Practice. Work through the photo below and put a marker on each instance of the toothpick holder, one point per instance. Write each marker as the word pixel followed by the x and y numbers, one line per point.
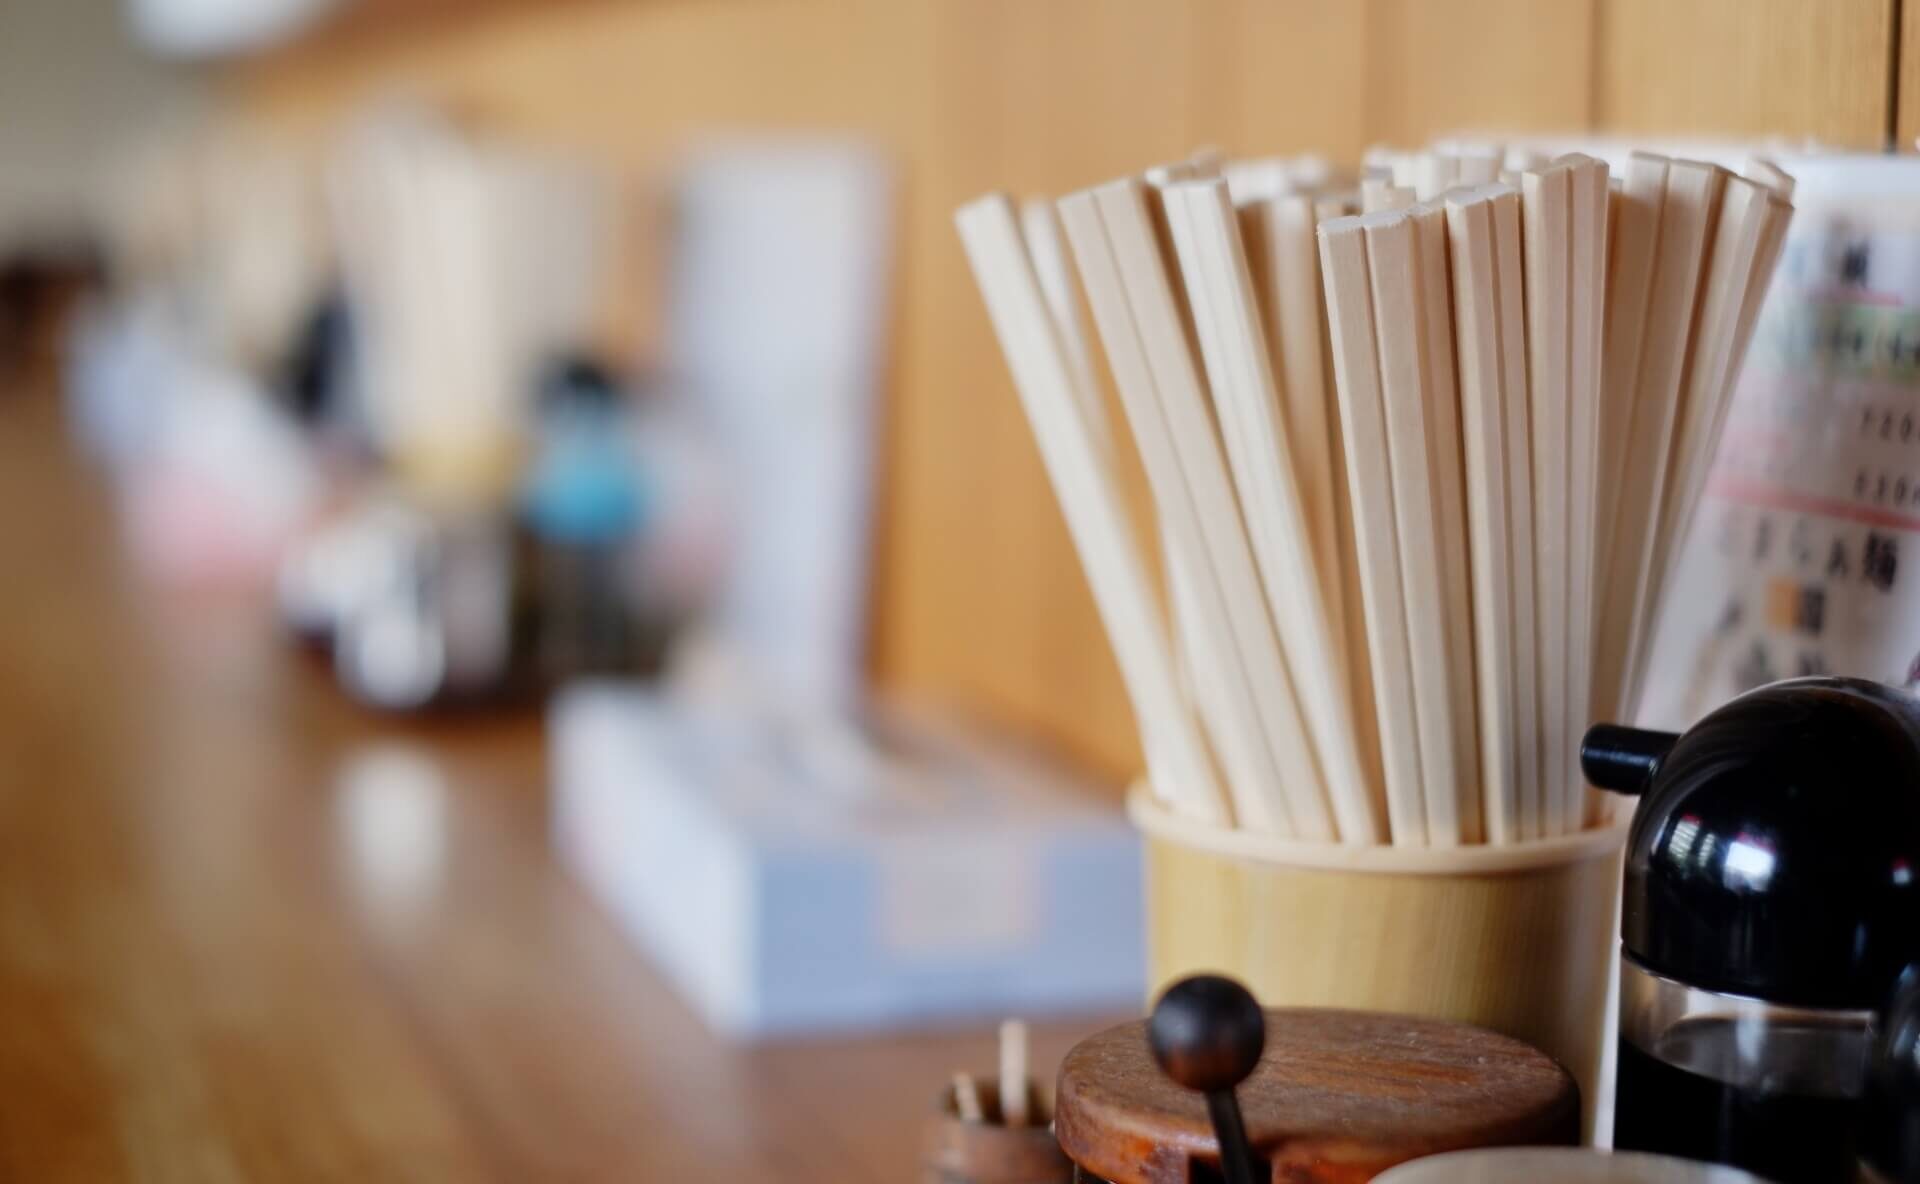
pixel 957 1151
pixel 1513 938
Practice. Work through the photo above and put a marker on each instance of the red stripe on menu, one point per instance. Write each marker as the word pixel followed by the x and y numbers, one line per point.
pixel 1851 296
pixel 1754 493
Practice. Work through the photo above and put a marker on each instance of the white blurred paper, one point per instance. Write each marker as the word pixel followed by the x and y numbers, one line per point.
pixel 776 309
pixel 1800 559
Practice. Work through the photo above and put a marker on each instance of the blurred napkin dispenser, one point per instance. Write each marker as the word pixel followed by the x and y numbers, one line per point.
pixel 796 874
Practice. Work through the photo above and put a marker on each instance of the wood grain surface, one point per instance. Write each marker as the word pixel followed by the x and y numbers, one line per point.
pixel 250 933
pixel 1338 1096
pixel 1820 69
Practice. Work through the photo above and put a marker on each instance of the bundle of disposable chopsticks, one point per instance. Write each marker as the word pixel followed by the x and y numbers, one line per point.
pixel 1420 456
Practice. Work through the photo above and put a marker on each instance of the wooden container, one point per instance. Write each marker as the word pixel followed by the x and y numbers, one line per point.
pixel 1337 1098
pixel 1516 938
pixel 956 1151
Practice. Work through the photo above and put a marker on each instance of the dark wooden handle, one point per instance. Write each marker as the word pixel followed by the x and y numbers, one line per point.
pixel 1207 1033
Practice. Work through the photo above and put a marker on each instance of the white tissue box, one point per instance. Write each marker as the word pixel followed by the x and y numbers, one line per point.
pixel 795 874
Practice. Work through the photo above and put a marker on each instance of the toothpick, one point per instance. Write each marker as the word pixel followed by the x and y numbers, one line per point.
pixel 966 1099
pixel 1015 1080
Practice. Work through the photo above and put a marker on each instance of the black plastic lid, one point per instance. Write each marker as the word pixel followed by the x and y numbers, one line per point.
pixel 1890 1126
pixel 1777 853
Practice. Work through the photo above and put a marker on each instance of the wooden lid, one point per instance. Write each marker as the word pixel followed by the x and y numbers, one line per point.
pixel 1338 1096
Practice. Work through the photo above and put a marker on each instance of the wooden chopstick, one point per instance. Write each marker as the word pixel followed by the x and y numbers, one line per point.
pixel 1759 281
pixel 1205 647
pixel 1444 459
pixel 1090 501
pixel 1314 423
pixel 1490 413
pixel 1509 270
pixel 1128 212
pixel 1207 240
pixel 1588 280
pixel 1746 211
pixel 1377 194
pixel 1136 225
pixel 1636 232
pixel 1483 414
pixel 1547 217
pixel 1224 641
pixel 1393 268
pixel 1736 244
pixel 1338 205
pixel 1772 176
pixel 1046 247
pixel 1281 255
pixel 1476 168
pixel 1688 206
pixel 1357 378
pixel 1359 654
pixel 1433 174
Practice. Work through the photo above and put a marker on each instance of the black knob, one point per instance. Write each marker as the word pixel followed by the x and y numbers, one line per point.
pixel 1207 1033
pixel 1623 759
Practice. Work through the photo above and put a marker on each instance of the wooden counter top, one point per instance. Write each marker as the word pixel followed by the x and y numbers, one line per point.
pixel 249 932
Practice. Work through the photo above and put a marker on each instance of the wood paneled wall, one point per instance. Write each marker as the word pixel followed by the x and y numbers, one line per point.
pixel 1817 68
pixel 979 596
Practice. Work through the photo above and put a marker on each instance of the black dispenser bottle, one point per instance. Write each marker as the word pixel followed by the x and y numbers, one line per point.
pixel 1890 1135
pixel 1772 898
